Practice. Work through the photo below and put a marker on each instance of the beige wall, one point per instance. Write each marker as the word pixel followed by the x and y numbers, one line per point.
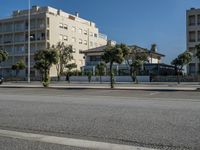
pixel 56 18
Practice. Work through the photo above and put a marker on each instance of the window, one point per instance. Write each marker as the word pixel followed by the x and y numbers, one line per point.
pixel 96 45
pixel 192 36
pixel 48 22
pixel 198 20
pixel 192 68
pixel 198 36
pixel 65 26
pixel 80 31
pixel 91 34
pixel 85 32
pixel 60 37
pixel 91 44
pixel 80 41
pixel 192 20
pixel 73 39
pixel 95 35
pixel 73 29
pixel 65 38
pixel 85 42
pixel 61 25
pixel 95 58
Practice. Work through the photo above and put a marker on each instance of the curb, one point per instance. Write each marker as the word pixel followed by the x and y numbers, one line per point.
pixel 105 88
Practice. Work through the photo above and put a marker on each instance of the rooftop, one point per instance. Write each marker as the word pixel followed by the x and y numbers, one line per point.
pixel 53 11
pixel 101 49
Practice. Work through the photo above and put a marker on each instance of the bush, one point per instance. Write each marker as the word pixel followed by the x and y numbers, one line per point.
pixel 46 83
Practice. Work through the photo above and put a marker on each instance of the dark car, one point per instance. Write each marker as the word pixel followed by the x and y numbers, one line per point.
pixel 1 79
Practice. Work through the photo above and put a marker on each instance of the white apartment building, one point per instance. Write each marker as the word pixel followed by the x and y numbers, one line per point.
pixel 193 38
pixel 48 27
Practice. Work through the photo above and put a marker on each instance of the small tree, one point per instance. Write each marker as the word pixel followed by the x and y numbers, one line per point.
pixel 179 62
pixel 65 55
pixel 20 65
pixel 89 75
pixel 113 55
pixel 14 68
pixel 44 59
pixel 69 68
pixel 198 54
pixel 101 70
pixel 3 56
pixel 135 60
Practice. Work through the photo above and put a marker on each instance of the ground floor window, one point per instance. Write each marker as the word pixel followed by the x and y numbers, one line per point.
pixel 192 68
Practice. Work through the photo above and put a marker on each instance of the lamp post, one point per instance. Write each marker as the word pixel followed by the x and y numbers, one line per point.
pixel 29 44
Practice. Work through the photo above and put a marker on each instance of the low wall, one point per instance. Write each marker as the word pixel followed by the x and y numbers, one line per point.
pixel 107 79
pixel 174 79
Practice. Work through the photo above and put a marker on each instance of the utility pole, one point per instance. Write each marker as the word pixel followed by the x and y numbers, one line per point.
pixel 29 42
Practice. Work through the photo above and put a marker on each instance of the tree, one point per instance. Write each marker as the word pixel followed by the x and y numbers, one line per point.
pixel 101 70
pixel 179 62
pixel 20 65
pixel 44 59
pixel 135 60
pixel 198 54
pixel 65 55
pixel 69 68
pixel 89 75
pixel 113 55
pixel 3 56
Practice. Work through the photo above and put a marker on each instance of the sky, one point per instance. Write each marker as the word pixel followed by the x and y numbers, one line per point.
pixel 133 22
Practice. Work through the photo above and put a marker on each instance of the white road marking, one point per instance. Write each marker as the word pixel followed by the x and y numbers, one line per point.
pixel 68 141
pixel 154 93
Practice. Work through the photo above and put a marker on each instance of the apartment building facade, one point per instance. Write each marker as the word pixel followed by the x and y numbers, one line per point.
pixel 48 27
pixel 193 38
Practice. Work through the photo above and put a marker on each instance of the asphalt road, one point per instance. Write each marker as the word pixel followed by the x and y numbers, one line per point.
pixel 158 119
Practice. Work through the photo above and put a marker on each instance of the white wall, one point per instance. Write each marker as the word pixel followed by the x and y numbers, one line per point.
pixel 107 79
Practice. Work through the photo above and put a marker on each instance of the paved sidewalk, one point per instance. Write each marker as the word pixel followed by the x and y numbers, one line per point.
pixel 118 86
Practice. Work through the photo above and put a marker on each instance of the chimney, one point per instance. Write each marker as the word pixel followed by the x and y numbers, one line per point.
pixel 154 48
pixel 76 14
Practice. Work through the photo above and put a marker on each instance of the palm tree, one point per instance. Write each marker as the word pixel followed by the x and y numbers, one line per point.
pixel 69 68
pixel 113 55
pixel 179 62
pixel 44 59
pixel 20 65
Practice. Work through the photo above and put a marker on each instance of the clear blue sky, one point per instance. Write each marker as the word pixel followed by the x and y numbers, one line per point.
pixel 140 22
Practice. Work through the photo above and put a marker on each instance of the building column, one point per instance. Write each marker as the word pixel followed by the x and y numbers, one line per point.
pixel 117 70
pixel 93 70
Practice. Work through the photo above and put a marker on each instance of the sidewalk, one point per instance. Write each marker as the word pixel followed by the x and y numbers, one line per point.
pixel 118 86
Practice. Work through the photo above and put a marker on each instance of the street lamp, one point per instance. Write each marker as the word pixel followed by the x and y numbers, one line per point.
pixel 29 44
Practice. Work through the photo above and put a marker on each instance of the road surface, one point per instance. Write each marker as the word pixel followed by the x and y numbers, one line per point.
pixel 152 119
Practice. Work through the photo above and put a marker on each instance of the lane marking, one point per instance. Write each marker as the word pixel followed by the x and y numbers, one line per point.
pixel 154 93
pixel 68 141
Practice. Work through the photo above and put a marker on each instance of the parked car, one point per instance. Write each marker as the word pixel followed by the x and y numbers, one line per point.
pixel 1 79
